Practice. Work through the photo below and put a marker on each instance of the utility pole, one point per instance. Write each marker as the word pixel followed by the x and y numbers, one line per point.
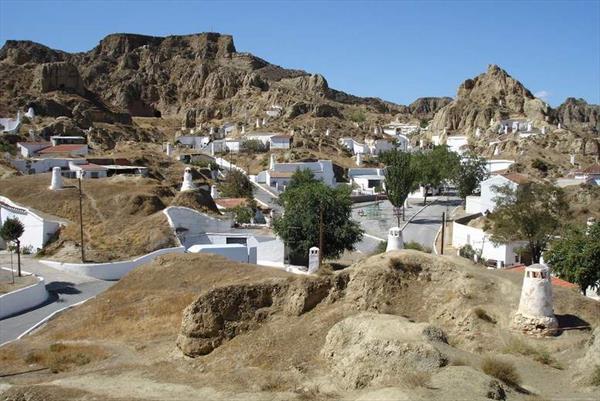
pixel 320 235
pixel 81 216
pixel 443 230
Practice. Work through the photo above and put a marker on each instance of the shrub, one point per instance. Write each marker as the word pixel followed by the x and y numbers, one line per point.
pixel 357 116
pixel 416 379
pixel 595 377
pixel 501 370
pixel 467 251
pixel 27 250
pixel 410 268
pixel 417 247
pixel 242 214
pixel 540 165
pixel 518 346
pixel 483 315
pixel 433 333
pixel 254 145
pixel 381 247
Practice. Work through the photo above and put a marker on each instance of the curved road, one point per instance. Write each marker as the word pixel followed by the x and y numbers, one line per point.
pixel 65 289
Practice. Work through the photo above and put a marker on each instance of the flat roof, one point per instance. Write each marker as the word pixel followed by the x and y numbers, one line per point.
pixel 62 148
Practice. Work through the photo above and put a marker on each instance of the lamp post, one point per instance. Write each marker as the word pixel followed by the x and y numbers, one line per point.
pixel 81 175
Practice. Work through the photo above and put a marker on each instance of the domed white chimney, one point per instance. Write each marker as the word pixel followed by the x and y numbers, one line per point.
pixel 56 182
pixel 187 184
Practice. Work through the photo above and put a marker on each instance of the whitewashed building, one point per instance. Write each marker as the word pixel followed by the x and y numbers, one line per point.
pixel 280 141
pixel 485 202
pixel 39 228
pixel 279 175
pixel 396 128
pixel 466 231
pixel 457 143
pixel 369 181
pixel 192 141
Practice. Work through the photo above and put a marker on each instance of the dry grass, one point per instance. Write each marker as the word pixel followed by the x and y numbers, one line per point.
pixel 516 345
pixel 501 370
pixel 406 267
pixel 416 379
pixel 6 284
pixel 60 357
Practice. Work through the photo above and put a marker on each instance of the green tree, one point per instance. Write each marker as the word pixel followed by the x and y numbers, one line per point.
pixel 400 177
pixel 469 174
pixel 435 166
pixel 12 230
pixel 236 185
pixel 533 213
pixel 299 226
pixel 301 177
pixel 575 257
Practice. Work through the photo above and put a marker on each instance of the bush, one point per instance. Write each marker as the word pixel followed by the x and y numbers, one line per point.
pixel 540 165
pixel 467 251
pixel 518 346
pixel 416 379
pixel 242 214
pixel 27 250
pixel 410 268
pixel 483 315
pixel 595 377
pixel 357 116
pixel 501 370
pixel 254 145
pixel 417 247
pixel 381 247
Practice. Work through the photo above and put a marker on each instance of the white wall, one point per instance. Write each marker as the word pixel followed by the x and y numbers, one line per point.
pixel 235 252
pixel 23 298
pixel 480 241
pixel 37 229
pixel 488 193
pixel 110 270
pixel 456 142
pixel 497 165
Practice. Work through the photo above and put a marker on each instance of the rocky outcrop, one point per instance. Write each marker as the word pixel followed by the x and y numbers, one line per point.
pixel 425 107
pixel 492 95
pixel 226 312
pixel 61 76
pixel 574 113
pixel 374 349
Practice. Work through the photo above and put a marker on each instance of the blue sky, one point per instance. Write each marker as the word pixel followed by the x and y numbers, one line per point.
pixel 396 50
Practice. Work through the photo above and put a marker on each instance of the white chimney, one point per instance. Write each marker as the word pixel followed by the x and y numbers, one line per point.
pixel 56 182
pixel 313 259
pixel 272 161
pixel 257 123
pixel 477 132
pixel 559 126
pixel 395 241
pixel 169 149
pixel 243 130
pixel 213 192
pixel 572 160
pixel 327 132
pixel 505 129
pixel 358 159
pixel 187 184
pixel 529 126
pixel 543 130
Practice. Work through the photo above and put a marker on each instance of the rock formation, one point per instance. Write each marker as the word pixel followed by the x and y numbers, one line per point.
pixel 492 95
pixel 577 112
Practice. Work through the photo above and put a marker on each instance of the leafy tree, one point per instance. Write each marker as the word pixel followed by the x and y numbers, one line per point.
pixel 254 146
pixel 575 257
pixel 236 185
pixel 470 173
pixel 301 177
pixel 242 214
pixel 299 225
pixel 533 213
pixel 12 230
pixel 435 167
pixel 400 177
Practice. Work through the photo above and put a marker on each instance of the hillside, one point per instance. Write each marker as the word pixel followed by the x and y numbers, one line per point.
pixel 351 334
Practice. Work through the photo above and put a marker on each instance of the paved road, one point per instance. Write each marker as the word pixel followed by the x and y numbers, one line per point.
pixel 422 229
pixel 65 289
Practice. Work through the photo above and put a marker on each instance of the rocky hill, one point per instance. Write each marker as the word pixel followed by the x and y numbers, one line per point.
pixel 200 78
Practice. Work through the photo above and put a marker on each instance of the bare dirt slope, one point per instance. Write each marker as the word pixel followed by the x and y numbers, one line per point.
pixel 277 336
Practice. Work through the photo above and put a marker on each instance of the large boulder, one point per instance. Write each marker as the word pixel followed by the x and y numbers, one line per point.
pixel 374 349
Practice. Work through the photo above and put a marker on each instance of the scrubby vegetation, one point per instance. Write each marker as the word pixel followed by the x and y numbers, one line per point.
pixel 519 346
pixel 501 370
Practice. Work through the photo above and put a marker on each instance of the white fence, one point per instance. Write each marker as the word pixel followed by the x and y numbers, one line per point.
pixel 23 298
pixel 110 270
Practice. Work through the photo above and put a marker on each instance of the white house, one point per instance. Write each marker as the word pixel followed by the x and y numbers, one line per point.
pixel 367 180
pixel 457 143
pixel 370 146
pixel 396 128
pixel 591 173
pixel 29 149
pixel 494 165
pixel 469 231
pixel 280 141
pixel 67 140
pixel 264 137
pixel 233 145
pixel 194 142
pixel 88 170
pixel 11 125
pixel 39 227
pixel 279 174
pixel 485 202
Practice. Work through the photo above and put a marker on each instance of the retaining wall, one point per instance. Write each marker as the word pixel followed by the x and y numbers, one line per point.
pixel 110 270
pixel 23 298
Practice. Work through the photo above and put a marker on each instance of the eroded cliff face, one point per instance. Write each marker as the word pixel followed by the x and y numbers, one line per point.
pixel 201 75
pixel 578 113
pixel 491 95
